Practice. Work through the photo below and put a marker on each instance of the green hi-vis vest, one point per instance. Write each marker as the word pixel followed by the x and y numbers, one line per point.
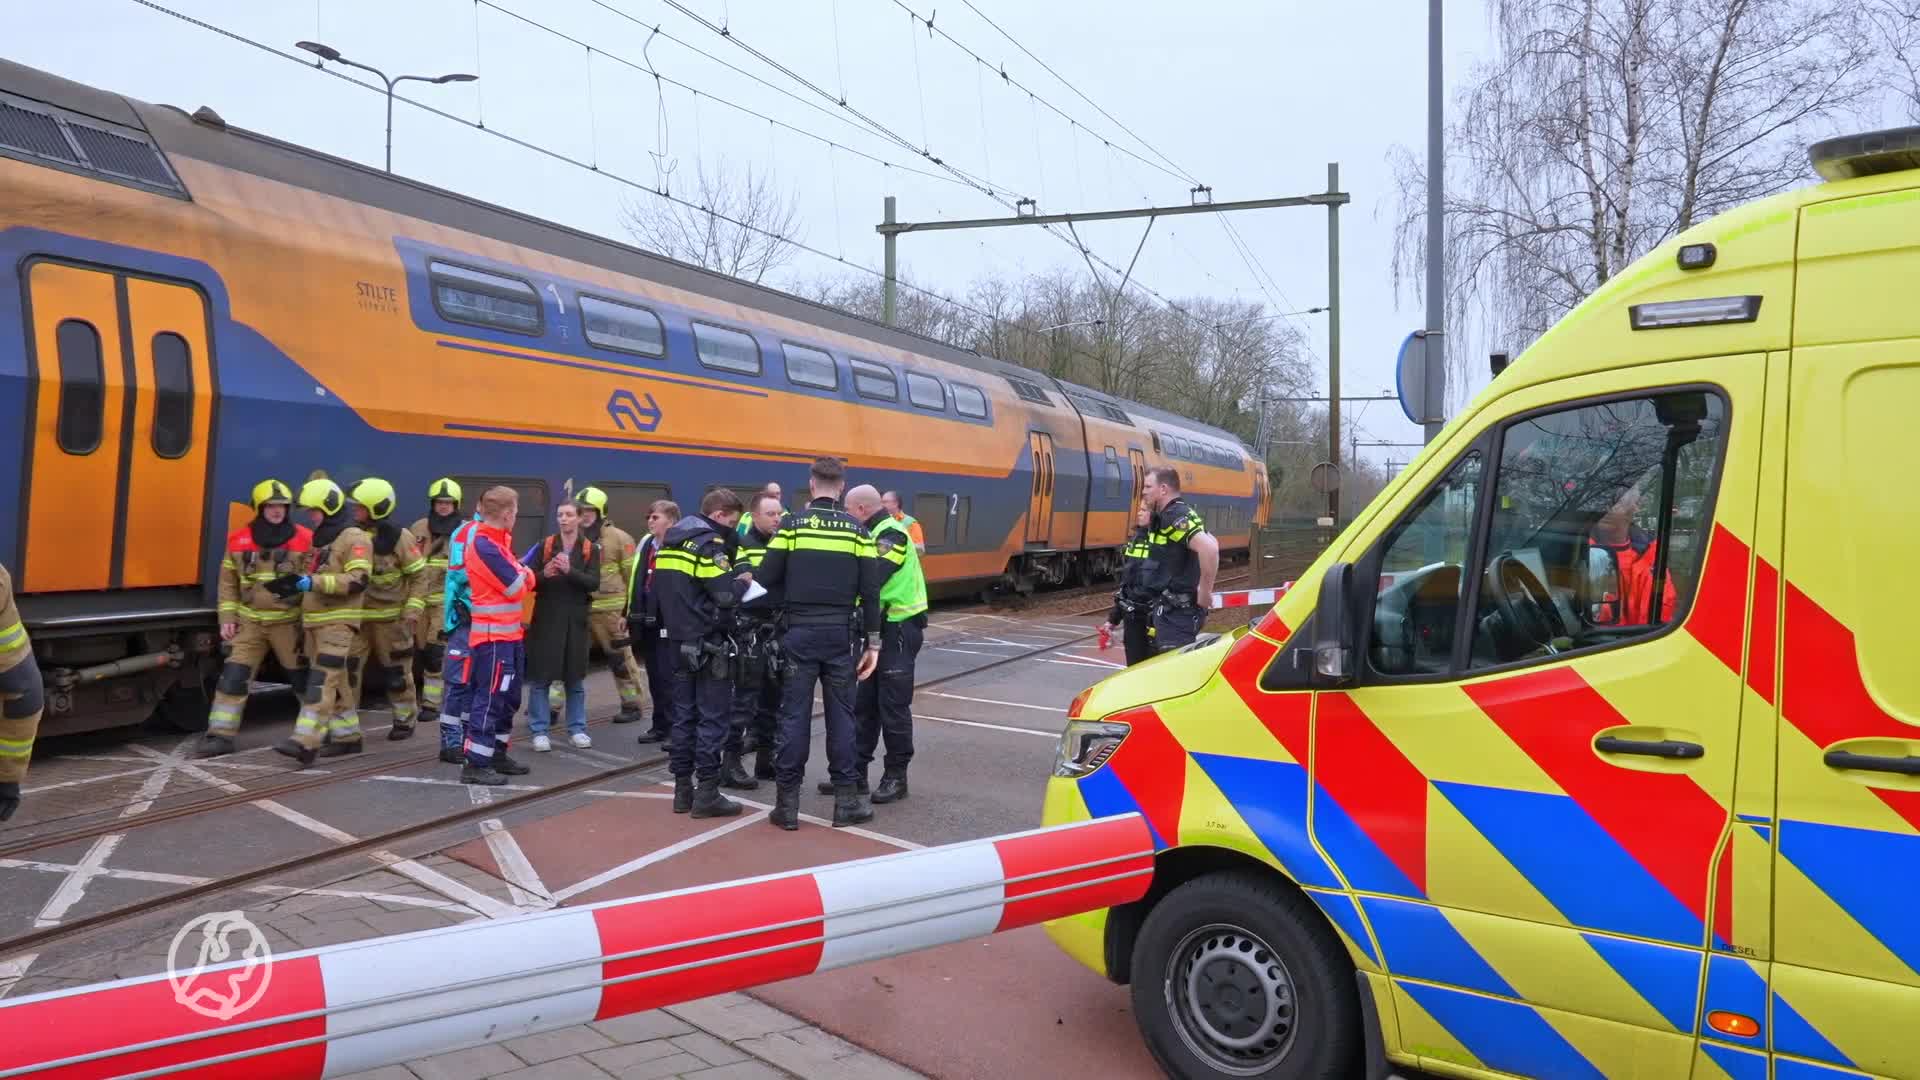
pixel 905 593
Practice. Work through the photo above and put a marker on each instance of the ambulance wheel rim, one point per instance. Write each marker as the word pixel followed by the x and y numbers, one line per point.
pixel 1232 999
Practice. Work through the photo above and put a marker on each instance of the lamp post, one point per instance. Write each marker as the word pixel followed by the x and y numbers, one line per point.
pixel 328 52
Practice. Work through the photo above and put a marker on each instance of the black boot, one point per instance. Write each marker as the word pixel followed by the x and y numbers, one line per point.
pixel 506 766
pixel 629 714
pixel 337 749
pixel 708 802
pixel 215 746
pixel 293 749
pixel 470 774
pixel 400 731
pixel 452 755
pixel 732 775
pixel 826 787
pixel 648 737
pixel 850 806
pixel 786 807
pixel 763 763
pixel 682 794
pixel 893 787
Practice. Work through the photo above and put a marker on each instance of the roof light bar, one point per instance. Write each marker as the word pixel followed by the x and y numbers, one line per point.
pixel 1710 311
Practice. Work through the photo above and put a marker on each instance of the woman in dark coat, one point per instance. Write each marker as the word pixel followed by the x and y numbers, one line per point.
pixel 566 568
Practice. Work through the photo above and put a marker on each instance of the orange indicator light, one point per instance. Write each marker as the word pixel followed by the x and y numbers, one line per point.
pixel 1730 1023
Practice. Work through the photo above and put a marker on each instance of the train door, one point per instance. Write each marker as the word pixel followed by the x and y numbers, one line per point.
pixel 1040 503
pixel 1138 459
pixel 118 447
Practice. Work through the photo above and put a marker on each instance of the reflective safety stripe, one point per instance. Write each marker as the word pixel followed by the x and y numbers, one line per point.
pixel 391 577
pixel 494 609
pixel 610 603
pixel 415 603
pixel 15 747
pixel 414 567
pixel 338 615
pixel 359 564
pixel 12 637
pixel 228 607
pixel 380 614
pixel 437 562
pixel 271 615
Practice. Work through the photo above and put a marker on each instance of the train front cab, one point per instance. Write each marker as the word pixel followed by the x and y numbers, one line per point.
pixel 1476 799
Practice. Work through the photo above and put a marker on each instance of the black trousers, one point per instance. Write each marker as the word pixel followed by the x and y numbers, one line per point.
pixel 700 705
pixel 1134 635
pixel 756 709
pixel 884 703
pixel 1175 628
pixel 653 652
pixel 820 655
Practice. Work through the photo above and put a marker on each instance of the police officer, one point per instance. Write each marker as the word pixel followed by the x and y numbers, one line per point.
pixel 884 705
pixel 396 595
pixel 643 622
pixel 756 688
pixel 433 534
pixel 21 697
pixel 607 622
pixel 1184 557
pixel 1132 603
pixel 826 561
pixel 253 620
pixel 334 590
pixel 697 590
pixel 497 585
pixel 456 623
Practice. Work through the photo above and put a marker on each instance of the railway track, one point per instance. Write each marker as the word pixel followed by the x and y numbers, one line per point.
pixel 377 844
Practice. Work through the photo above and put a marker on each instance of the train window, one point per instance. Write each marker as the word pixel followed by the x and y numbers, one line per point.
pixel 726 350
pixel 962 510
pixel 83 396
pixel 1113 474
pixel 969 401
pixel 628 503
pixel 1028 391
pixel 464 295
pixel 622 327
pixel 532 523
pixel 926 392
pixel 1156 442
pixel 173 395
pixel 930 510
pixel 810 367
pixel 874 380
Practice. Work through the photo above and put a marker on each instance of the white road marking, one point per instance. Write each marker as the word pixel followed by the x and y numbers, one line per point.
pixel 439 782
pixel 357 894
pixel 121 875
pixel 1070 663
pixel 74 887
pixel 14 969
pixel 1093 660
pixel 524 886
pixel 601 756
pixel 630 794
pixel 157 878
pixel 446 886
pixel 991 701
pixel 87 780
pixel 295 817
pixel 855 830
pixel 630 866
pixel 1052 735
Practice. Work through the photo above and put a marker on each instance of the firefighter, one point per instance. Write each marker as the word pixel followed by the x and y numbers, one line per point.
pixel 1185 559
pixel 253 620
pixel 756 688
pixel 826 561
pixel 432 533
pixel 608 621
pixel 456 622
pixel 334 591
pixel 884 703
pixel 697 590
pixel 1132 612
pixel 395 597
pixel 497 585
pixel 21 697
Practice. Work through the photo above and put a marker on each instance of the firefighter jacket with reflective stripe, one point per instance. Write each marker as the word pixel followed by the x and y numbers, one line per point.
pixel 903 586
pixel 1174 568
pixel 752 554
pixel 248 567
pixel 829 565
pixel 398 584
pixel 435 550
pixel 497 584
pixel 339 580
pixel 617 551
pixel 456 608
pixel 21 691
pixel 694 579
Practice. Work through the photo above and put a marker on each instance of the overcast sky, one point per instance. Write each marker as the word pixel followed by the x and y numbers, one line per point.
pixel 1253 98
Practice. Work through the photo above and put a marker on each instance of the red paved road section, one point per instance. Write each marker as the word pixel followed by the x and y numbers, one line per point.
pixel 1006 1006
pixel 1009 1005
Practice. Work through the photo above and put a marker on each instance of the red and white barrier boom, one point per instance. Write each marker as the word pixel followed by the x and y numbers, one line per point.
pixel 349 1008
pixel 1249 597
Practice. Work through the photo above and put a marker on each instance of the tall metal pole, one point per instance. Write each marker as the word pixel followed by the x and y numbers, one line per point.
pixel 1436 343
pixel 390 83
pixel 888 293
pixel 1333 338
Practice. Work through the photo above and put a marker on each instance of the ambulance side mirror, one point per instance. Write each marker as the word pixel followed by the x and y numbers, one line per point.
pixel 1334 646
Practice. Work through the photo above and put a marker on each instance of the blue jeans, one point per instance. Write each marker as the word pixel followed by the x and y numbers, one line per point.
pixel 540 708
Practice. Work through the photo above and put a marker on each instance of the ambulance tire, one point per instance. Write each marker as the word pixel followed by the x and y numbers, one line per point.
pixel 1208 1003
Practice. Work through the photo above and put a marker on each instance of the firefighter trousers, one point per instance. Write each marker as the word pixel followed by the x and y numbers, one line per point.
pixel 22 695
pixel 330 709
pixel 431 653
pixel 390 666
pixel 250 645
pixel 609 630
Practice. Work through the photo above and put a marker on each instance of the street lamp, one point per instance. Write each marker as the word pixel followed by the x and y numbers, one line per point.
pixel 1264 318
pixel 328 52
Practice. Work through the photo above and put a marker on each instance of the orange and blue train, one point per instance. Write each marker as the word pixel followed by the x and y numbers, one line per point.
pixel 187 308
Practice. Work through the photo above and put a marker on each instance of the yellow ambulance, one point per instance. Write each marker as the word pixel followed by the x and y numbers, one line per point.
pixel 1591 748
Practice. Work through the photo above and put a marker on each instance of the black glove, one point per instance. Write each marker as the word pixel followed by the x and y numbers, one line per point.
pixel 9 800
pixel 284 586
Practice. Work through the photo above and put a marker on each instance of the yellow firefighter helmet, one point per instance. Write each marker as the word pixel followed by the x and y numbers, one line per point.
pixel 444 488
pixel 270 491
pixel 322 495
pixel 374 494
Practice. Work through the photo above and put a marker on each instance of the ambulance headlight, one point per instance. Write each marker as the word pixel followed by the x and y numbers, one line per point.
pixel 1086 745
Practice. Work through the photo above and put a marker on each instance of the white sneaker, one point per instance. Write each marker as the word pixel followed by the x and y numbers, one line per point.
pixel 581 741
pixel 541 744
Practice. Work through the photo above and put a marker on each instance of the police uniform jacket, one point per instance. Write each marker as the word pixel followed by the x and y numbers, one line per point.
pixel 1133 574
pixel 828 563
pixel 1172 567
pixel 752 555
pixel 693 579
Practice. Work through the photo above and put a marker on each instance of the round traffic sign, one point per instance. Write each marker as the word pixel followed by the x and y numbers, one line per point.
pixel 1325 477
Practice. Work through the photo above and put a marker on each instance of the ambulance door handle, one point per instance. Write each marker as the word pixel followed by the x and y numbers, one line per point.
pixel 1907 765
pixel 1663 748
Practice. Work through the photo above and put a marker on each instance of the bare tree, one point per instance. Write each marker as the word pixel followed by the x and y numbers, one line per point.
pixel 1604 127
pixel 741 227
pixel 1897 26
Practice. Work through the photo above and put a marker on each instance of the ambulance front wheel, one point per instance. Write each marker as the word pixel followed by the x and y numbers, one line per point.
pixel 1237 975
